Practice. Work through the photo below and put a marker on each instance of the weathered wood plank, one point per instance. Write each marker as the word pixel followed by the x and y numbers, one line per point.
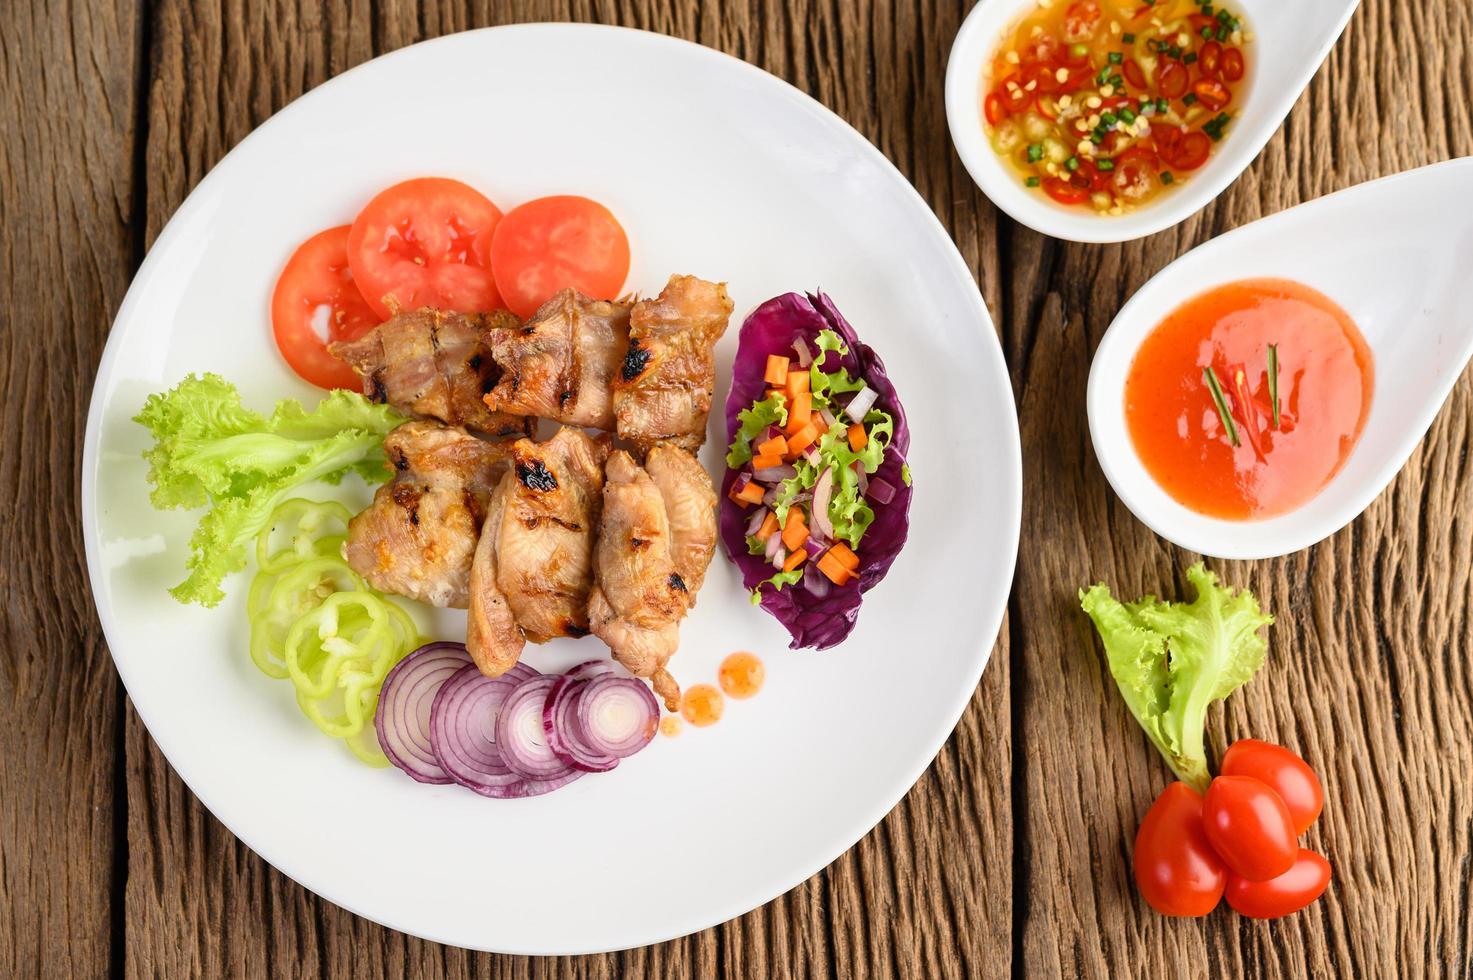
pixel 1368 671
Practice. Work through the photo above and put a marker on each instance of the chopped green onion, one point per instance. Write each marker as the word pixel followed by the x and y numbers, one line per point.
pixel 1189 58
pixel 1031 181
pixel 1106 165
pixel 1117 81
pixel 1273 380
pixel 1167 177
pixel 1222 32
pixel 1071 164
pixel 1109 118
pixel 1116 57
pixel 1210 376
pixel 1189 98
pixel 1162 105
pixel 1128 38
pixel 1127 114
pixel 1207 32
pixel 1035 152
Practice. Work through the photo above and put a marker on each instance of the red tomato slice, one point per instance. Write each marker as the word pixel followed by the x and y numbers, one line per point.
pixel 425 242
pixel 1291 891
pixel 1249 827
pixel 1176 870
pixel 555 242
pixel 1284 772
pixel 316 301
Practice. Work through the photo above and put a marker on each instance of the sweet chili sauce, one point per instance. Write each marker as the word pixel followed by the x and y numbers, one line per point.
pixel 741 675
pixel 702 705
pixel 1325 380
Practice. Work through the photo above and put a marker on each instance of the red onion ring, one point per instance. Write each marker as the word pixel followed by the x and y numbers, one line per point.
pixel 520 737
pixel 590 669
pixel 402 720
pixel 560 725
pixel 617 716
pixel 463 729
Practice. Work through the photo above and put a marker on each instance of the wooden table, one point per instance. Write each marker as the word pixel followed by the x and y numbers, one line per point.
pixel 1010 854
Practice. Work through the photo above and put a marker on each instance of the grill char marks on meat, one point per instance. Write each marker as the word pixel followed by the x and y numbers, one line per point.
pixel 562 363
pixel 418 536
pixel 435 365
pixel 664 388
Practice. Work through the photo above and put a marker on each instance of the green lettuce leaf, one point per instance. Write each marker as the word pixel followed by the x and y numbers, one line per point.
pixel 755 420
pixel 1172 660
pixel 777 582
pixel 824 385
pixel 209 450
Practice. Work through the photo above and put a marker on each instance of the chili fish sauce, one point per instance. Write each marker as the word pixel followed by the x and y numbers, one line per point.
pixel 1231 458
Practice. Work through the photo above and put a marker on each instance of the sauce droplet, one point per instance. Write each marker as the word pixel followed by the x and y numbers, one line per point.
pixel 742 675
pixel 702 705
pixel 670 726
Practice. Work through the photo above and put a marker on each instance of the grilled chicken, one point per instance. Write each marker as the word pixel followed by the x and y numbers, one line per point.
pixel 664 386
pixel 690 506
pixel 418 536
pixel 544 548
pixel 639 596
pixel 561 364
pixel 492 636
pixel 434 365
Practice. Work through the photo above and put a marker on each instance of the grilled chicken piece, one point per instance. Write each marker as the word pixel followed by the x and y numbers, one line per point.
pixel 492 636
pixel 544 550
pixel 690 506
pixel 417 537
pixel 434 365
pixel 561 364
pixel 663 389
pixel 638 596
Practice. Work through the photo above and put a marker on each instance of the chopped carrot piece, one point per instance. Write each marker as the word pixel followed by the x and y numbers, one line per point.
pixel 766 462
pixel 795 559
pixel 858 438
pixel 800 412
pixel 752 493
pixel 777 370
pixel 801 440
pixel 844 556
pixel 768 528
pixel 837 573
pixel 797 382
pixel 795 532
pixel 776 446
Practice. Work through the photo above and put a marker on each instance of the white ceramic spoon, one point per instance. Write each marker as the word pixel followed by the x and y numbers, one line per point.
pixel 1290 39
pixel 1397 255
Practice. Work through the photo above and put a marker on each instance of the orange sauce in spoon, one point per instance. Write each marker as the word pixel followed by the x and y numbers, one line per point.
pixel 1325 382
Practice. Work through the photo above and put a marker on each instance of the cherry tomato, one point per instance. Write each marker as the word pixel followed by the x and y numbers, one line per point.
pixel 1209 59
pixel 993 108
pixel 1171 79
pixel 1137 174
pixel 1233 66
pixel 1212 93
pixel 1014 97
pixel 552 243
pixel 1042 77
pixel 315 302
pixel 1176 869
pixel 1291 891
pixel 1286 773
pixel 1190 151
pixel 1080 20
pixel 425 242
pixel 1133 74
pixel 1249 827
pixel 1064 192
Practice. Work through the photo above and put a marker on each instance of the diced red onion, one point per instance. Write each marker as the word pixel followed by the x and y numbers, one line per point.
pixel 780 555
pixel 770 497
pixel 861 403
pixel 589 669
pixel 402 719
pixel 560 726
pixel 755 524
pixel 773 544
pixel 816 582
pixel 823 492
pixel 743 479
pixel 811 454
pixel 769 433
pixel 828 418
pixel 617 716
pixel 520 736
pixel 881 491
pixel 774 474
pixel 805 357
pixel 463 730
pixel 862 478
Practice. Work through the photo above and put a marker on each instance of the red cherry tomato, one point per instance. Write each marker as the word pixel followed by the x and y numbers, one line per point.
pixel 1080 20
pixel 1064 192
pixel 553 243
pixel 1189 152
pixel 1249 827
pixel 1176 869
pixel 316 302
pixel 1212 93
pixel 425 242
pixel 993 108
pixel 1233 66
pixel 1291 891
pixel 1209 59
pixel 1286 773
pixel 1134 75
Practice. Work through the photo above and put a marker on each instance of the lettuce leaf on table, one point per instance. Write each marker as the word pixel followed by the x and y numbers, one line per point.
pixel 210 450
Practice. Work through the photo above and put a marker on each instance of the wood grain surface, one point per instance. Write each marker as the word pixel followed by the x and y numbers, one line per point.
pixel 1010 856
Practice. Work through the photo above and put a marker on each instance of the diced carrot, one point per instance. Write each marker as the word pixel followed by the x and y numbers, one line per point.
pixel 766 462
pixel 795 559
pixel 768 528
pixel 844 556
pixel 858 438
pixel 801 440
pixel 777 370
pixel 800 412
pixel 776 446
pixel 751 494
pixel 837 573
pixel 795 532
pixel 797 382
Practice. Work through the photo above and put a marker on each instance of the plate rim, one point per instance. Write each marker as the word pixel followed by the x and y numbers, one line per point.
pixel 992 354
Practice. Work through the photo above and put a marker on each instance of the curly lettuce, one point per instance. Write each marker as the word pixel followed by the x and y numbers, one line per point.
pixel 1172 660
pixel 211 451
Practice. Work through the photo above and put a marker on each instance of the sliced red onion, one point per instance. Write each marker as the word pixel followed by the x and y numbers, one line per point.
pixel 617 716
pixel 770 497
pixel 768 434
pixel 816 582
pixel 811 454
pixel 779 557
pixel 402 720
pixel 519 733
pixel 823 492
pixel 816 546
pixel 589 669
pixel 463 729
pixel 560 726
pixel 774 474
pixel 861 403
pixel 755 524
pixel 881 491
pixel 773 544
pixel 828 418
pixel 805 356
pixel 862 478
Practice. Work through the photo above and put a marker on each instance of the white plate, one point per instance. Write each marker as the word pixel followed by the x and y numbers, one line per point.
pixel 715 168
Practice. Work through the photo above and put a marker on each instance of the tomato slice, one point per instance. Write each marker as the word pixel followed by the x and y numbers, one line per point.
pixel 1189 152
pixel 316 301
pixel 1064 192
pixel 425 242
pixel 552 243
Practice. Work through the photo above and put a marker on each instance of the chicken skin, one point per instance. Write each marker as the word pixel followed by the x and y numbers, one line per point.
pixel 494 640
pixel 418 536
pixel 561 364
pixel 664 386
pixel 690 507
pixel 435 365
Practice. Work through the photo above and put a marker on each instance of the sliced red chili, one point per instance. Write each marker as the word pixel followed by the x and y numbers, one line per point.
pixel 1209 59
pixel 992 107
pixel 1233 66
pixel 1212 93
pixel 1013 96
pixel 1134 75
pixel 1063 191
pixel 1172 79
pixel 1190 152
pixel 1042 77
